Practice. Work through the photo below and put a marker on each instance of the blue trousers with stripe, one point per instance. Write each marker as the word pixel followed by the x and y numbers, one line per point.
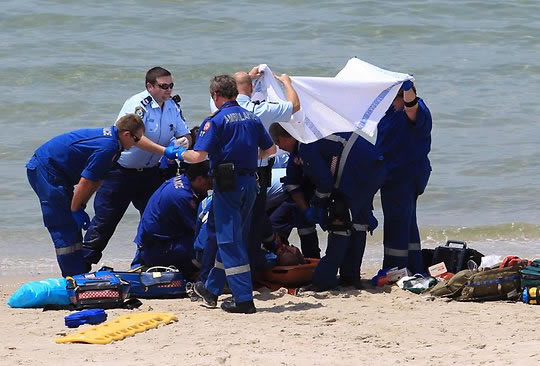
pixel 55 200
pixel 399 195
pixel 232 215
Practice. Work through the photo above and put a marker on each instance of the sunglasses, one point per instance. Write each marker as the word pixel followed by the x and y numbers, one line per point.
pixel 166 86
pixel 135 138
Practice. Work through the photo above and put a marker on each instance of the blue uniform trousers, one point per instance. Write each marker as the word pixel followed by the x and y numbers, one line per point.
pixel 257 231
pixel 232 212
pixel 55 200
pixel 287 216
pixel 345 249
pixel 399 195
pixel 120 188
pixel 168 252
pixel 210 249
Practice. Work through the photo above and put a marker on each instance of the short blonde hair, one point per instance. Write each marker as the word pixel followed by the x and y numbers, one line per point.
pixel 130 122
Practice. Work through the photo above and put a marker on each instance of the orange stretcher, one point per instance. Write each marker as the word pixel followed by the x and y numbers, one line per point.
pixel 291 276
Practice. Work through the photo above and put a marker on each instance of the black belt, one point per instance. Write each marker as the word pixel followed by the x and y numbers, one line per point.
pixel 136 170
pixel 245 172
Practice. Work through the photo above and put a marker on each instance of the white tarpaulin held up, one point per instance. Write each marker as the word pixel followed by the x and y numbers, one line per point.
pixel 355 100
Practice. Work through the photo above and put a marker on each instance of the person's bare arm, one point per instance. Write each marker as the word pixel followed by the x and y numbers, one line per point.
pixel 263 154
pixel 290 93
pixel 300 200
pixel 83 191
pixel 409 96
pixel 194 156
pixel 148 145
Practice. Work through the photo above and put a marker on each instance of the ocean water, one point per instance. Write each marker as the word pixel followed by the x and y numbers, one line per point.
pixel 71 64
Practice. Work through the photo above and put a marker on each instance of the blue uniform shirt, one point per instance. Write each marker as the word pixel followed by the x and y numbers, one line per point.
pixel 402 141
pixel 161 125
pixel 171 212
pixel 233 135
pixel 87 153
pixel 319 161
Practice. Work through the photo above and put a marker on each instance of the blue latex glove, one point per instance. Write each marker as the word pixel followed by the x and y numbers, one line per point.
pixel 174 152
pixel 372 223
pixel 407 85
pixel 316 215
pixel 311 215
pixel 81 218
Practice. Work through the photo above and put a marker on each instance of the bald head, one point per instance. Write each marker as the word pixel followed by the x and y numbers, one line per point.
pixel 243 83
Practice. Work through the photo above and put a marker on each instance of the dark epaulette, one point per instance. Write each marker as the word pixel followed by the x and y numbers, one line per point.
pixel 176 99
pixel 146 100
pixel 213 114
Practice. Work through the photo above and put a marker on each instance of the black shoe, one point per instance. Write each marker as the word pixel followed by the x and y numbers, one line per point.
pixel 209 298
pixel 246 307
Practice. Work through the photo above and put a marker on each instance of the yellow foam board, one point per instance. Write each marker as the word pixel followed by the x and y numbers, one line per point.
pixel 119 328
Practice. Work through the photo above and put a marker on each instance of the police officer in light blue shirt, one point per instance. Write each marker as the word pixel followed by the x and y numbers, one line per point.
pixel 80 158
pixel 233 139
pixel 268 113
pixel 136 176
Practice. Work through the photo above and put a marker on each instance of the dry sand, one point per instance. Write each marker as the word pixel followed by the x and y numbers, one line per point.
pixel 353 327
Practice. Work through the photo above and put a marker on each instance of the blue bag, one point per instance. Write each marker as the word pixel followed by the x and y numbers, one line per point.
pixel 37 294
pixel 155 282
pixel 90 316
pixel 101 289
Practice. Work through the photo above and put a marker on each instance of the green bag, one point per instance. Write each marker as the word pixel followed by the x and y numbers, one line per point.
pixel 530 275
pixel 452 287
pixel 494 284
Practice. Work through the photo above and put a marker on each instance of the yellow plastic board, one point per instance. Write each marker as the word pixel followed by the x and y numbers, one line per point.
pixel 120 328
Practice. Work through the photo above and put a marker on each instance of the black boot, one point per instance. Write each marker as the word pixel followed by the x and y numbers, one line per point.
pixel 246 307
pixel 209 298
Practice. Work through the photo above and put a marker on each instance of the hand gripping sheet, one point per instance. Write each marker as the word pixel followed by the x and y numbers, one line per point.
pixel 120 328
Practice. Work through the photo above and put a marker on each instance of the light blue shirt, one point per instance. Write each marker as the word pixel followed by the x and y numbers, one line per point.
pixel 276 193
pixel 268 113
pixel 161 125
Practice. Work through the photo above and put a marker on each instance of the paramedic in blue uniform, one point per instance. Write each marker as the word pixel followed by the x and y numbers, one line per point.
pixel 346 168
pixel 136 176
pixel 290 212
pixel 268 113
pixel 80 158
pixel 167 228
pixel 233 139
pixel 404 138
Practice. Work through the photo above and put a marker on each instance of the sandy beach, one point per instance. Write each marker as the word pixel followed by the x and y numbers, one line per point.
pixel 353 327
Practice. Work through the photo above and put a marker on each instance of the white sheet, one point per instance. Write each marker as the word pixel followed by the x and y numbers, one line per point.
pixel 355 100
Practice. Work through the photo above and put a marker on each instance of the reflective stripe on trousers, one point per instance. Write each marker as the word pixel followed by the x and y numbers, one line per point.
pixel 68 250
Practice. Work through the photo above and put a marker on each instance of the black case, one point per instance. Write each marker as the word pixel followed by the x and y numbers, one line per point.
pixel 453 257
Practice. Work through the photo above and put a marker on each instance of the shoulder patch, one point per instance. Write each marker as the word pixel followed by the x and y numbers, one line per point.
pixel 139 111
pixel 107 131
pixel 206 126
pixel 146 101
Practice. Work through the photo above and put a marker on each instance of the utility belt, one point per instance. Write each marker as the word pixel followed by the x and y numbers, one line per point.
pixel 226 173
pixel 153 169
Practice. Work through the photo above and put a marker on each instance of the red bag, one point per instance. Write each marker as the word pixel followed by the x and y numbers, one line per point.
pixel 511 260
